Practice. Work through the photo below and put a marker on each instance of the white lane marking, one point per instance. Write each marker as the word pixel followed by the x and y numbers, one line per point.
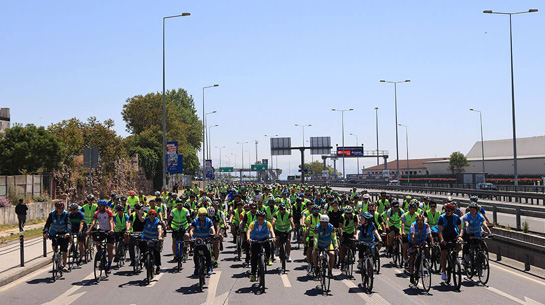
pixel 155 280
pixel 518 274
pixel 222 299
pixel 374 298
pixel 67 298
pixel 285 280
pixel 213 287
pixel 512 298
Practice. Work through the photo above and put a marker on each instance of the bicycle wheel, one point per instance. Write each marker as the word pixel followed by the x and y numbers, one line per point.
pixel 149 267
pixel 119 255
pixel 457 274
pixel 283 257
pixel 54 266
pixel 201 272
pixel 398 253
pixel 370 274
pixel 376 260
pixel 350 263
pixel 327 280
pixel 72 255
pixel 179 255
pixel 483 268
pixel 425 274
pixel 470 266
pixel 416 270
pixel 436 259
pixel 239 248
pixel 449 269
pixel 262 272
pixel 138 260
pixel 97 268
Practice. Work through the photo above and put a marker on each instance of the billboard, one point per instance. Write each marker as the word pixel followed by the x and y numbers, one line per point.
pixel 350 151
pixel 209 169
pixel 320 145
pixel 174 161
pixel 280 146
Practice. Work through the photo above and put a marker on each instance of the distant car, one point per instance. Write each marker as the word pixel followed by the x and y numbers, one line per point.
pixel 486 186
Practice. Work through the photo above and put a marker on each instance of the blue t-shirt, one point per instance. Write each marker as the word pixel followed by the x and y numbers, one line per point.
pixel 450 225
pixel 474 223
pixel 202 230
pixel 75 221
pixel 367 233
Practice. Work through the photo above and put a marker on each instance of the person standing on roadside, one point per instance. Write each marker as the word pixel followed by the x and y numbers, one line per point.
pixel 21 210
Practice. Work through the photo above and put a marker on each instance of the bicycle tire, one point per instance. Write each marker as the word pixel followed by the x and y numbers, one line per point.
pixel 323 274
pixel 436 259
pixel 370 275
pixel 54 266
pixel 416 270
pixel 138 260
pixel 97 267
pixel 376 261
pixel 283 256
pixel 483 268
pixel 149 267
pixel 457 275
pixel 262 272
pixel 425 274
pixel 239 248
pixel 201 272
pixel 179 255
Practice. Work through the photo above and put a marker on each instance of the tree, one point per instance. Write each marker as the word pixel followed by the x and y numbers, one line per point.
pixel 29 150
pixel 143 115
pixel 316 168
pixel 457 162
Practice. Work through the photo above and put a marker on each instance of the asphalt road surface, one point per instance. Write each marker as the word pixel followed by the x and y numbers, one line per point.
pixel 230 284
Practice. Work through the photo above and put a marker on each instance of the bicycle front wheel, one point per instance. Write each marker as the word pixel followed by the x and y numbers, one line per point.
pixel 97 267
pixel 457 274
pixel 483 268
pixel 54 266
pixel 179 256
pixel 425 274
pixel 262 272
pixel 370 274
pixel 376 261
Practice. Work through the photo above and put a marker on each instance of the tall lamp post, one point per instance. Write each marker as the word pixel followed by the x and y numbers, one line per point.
pixel 376 120
pixel 204 136
pixel 303 127
pixel 533 10
pixel 357 144
pixel 342 123
pixel 407 141
pixel 220 147
pixel 206 130
pixel 482 139
pixel 164 104
pixel 242 152
pixel 208 149
pixel 397 132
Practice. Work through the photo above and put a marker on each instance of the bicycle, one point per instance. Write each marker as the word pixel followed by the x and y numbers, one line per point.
pixel 350 258
pixel 435 257
pixel 283 237
pixel 149 258
pixel 478 260
pixel 57 258
pixel 367 267
pixel 89 249
pixel 239 241
pixel 201 263
pixel 261 262
pixel 181 249
pixel 422 268
pixel 100 263
pixel 73 256
pixel 322 270
pixel 121 251
pixel 138 261
pixel 454 270
pixel 397 255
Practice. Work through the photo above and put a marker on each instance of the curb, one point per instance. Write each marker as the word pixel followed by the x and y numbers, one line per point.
pixel 27 270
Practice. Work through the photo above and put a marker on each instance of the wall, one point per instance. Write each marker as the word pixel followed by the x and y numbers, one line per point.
pixel 24 185
pixel 526 166
pixel 38 210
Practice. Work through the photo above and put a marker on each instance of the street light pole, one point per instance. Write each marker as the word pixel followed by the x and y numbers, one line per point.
pixel 482 139
pixel 397 132
pixel 220 147
pixel 358 158
pixel 242 150
pixel 204 136
pixel 164 104
pixel 376 114
pixel 208 149
pixel 515 168
pixel 342 123
pixel 407 141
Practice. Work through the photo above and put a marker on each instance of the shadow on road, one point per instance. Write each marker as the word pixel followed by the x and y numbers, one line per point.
pixel 140 283
pixel 124 273
pixel 254 288
pixel 315 292
pixel 88 282
pixel 46 280
pixel 193 289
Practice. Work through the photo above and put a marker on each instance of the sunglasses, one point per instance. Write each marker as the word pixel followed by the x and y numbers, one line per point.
pixel 448 210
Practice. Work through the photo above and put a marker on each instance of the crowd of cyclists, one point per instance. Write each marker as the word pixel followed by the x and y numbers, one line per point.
pixel 270 216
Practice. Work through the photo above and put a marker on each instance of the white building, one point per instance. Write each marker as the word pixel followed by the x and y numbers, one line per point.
pixel 498 156
pixel 4 119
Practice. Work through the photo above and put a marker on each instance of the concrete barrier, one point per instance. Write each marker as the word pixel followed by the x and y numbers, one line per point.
pixel 38 210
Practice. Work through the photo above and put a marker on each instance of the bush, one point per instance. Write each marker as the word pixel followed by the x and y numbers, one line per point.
pixel 4 202
pixel 39 199
pixel 525 227
pixel 12 197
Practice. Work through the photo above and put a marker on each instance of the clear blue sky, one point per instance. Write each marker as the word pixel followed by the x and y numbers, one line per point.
pixel 281 63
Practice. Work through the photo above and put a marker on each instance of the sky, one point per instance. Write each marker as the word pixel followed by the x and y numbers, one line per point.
pixel 281 63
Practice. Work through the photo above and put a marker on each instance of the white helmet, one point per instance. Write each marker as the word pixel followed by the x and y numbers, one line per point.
pixel 211 211
pixel 324 218
pixel 366 196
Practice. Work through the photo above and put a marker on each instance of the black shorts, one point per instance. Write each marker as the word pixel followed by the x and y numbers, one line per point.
pixel 448 239
pixel 100 236
pixel 60 241
pixel 311 242
pixel 178 234
pixel 347 238
pixel 396 230
pixel 119 235
pixel 278 234
pixel 405 239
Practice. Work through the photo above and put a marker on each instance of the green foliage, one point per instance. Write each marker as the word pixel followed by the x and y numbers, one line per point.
pixel 143 116
pixel 316 168
pixel 525 227
pixel 29 150
pixel 148 159
pixel 457 162
pixel 39 199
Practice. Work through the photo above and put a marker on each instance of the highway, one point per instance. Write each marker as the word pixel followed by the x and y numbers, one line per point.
pixel 230 284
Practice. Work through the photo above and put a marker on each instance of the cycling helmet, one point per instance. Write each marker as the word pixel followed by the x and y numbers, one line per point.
pixel 413 204
pixel 187 205
pixel 348 210
pixel 419 218
pixel 152 212
pixel 277 200
pixel 367 216
pixel 102 202
pixel 115 197
pixel 113 194
pixel 366 196
pixel 137 206
pixel 173 195
pixel 253 205
pixel 157 193
pixel 211 211
pixel 203 211
pixel 282 206
pixel 356 197
pixel 324 218
pixel 395 203
pixel 474 198
pixel 246 207
pixel 408 197
pixel 449 199
pixel 426 198
pixel 73 206
pixel 123 198
pixel 450 206
pixel 354 188
pixel 141 192
pixel 298 200
pixel 315 208
pixel 270 201
pixel 473 205
pixel 215 202
pixel 261 214
pixel 204 199
pixel 329 197
pixel 118 208
pixel 179 200
pixel 90 197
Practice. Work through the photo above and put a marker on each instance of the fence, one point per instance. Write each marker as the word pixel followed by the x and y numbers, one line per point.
pixel 35 211
pixel 22 185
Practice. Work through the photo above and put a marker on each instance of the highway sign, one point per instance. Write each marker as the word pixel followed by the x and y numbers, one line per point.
pixel 280 146
pixel 320 145
pixel 226 169
pixel 259 167
pixel 350 151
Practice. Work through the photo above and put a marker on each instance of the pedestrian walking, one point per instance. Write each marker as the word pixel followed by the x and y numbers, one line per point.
pixel 21 211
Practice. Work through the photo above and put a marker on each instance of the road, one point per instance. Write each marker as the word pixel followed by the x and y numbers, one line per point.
pixel 230 284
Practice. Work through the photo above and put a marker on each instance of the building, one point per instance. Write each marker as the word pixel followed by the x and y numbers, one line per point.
pixel 4 119
pixel 498 158
pixel 417 167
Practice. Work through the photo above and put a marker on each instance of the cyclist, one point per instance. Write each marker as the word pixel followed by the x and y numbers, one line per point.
pixel 89 209
pixel 449 228
pixel 297 210
pixel 141 198
pixel 393 221
pixel 137 221
pixel 131 201
pixel 365 204
pixel 236 218
pixel 346 232
pixel 179 220
pixel 248 218
pixel 474 222
pixel 324 239
pixel 201 228
pixel 282 224
pixel 259 230
pixel 271 209
pixel 121 221
pixel 105 219
pixel 382 202
pixel 378 221
pixel 153 230
pixel 425 204
pixel 78 226
pixel 419 233
pixel 311 222
pixel 124 204
pixel 406 221
pixel 406 202
pixel 218 218
pixel 335 214
pixel 432 217
pixel 366 232
pixel 480 209
pixel 57 223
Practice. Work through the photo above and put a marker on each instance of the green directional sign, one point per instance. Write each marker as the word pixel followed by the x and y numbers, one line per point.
pixel 260 167
pixel 226 169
